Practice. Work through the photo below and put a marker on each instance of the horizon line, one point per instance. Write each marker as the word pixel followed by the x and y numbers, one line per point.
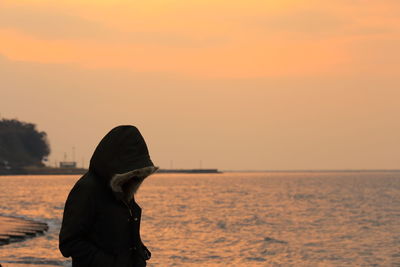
pixel 318 170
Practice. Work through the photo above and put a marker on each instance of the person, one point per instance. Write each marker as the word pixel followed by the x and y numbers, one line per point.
pixel 101 220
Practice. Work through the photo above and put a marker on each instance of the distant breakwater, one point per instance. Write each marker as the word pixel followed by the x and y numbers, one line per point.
pixel 188 171
pixel 80 171
pixel 44 171
pixel 14 229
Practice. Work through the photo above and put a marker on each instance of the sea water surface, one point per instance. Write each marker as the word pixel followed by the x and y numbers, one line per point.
pixel 233 219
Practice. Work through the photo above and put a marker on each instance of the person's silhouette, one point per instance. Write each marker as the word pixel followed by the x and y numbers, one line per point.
pixel 101 221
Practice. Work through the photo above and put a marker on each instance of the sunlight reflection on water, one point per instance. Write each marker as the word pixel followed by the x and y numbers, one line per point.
pixel 234 219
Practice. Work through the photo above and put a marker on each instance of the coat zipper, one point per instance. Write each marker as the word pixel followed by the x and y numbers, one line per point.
pixel 130 212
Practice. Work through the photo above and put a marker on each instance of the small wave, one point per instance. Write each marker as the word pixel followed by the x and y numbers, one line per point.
pixel 373 222
pixel 255 259
pixel 346 237
pixel 219 240
pixel 35 261
pixel 268 253
pixel 213 257
pixel 313 244
pixel 221 225
pixel 253 220
pixel 273 240
pixel 303 196
pixel 177 257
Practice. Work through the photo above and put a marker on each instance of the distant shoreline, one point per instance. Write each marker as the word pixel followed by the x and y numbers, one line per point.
pixel 344 170
pixel 81 171
pixel 44 171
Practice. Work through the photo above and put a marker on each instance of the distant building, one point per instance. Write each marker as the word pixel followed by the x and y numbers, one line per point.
pixel 67 164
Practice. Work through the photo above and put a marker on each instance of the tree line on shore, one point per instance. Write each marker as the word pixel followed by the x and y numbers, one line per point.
pixel 22 145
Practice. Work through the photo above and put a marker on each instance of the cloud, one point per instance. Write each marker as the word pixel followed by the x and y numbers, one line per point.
pixel 310 22
pixel 49 24
pixel 56 24
pixel 203 40
pixel 323 21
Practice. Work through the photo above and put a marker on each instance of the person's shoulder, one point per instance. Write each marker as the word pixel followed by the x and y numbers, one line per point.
pixel 87 183
pixel 84 193
pixel 87 180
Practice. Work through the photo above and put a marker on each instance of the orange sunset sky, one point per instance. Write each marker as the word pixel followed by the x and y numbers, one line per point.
pixel 262 85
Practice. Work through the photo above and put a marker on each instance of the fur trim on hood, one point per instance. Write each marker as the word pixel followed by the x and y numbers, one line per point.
pixel 139 175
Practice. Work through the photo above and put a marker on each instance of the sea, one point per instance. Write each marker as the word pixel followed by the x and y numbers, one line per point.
pixel 248 219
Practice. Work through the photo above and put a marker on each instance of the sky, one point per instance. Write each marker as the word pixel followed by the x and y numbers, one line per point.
pixel 233 85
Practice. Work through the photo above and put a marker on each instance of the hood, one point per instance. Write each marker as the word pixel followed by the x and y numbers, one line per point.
pixel 121 153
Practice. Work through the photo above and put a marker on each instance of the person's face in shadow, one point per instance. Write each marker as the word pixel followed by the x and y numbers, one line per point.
pixel 131 186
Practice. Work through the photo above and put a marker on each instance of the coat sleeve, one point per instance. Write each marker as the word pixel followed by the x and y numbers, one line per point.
pixel 147 252
pixel 77 221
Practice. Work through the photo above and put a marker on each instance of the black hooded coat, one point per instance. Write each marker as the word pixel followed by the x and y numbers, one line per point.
pixel 100 228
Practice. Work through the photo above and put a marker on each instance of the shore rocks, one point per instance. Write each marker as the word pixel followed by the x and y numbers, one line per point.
pixel 13 229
